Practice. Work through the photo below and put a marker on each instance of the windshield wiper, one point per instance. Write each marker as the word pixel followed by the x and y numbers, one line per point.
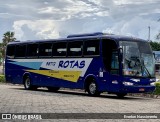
pixel 146 69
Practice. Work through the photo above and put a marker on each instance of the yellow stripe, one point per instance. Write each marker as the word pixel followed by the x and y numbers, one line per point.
pixel 65 75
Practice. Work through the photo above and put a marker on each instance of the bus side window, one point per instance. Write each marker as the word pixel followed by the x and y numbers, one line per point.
pixel 91 47
pixel 59 49
pixel 32 50
pixel 45 50
pixel 10 51
pixel 75 48
pixel 20 51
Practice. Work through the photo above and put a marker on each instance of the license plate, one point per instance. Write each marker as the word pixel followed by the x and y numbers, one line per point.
pixel 141 89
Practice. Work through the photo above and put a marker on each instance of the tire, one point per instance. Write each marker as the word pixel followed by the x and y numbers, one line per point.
pixel 53 89
pixel 28 84
pixel 92 89
pixel 121 95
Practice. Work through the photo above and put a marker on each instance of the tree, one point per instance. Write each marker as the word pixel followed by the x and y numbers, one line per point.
pixel 7 37
pixel 155 46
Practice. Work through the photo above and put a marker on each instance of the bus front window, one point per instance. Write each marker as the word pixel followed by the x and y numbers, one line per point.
pixel 137 59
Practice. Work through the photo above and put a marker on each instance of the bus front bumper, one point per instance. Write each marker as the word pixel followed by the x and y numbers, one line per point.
pixel 137 89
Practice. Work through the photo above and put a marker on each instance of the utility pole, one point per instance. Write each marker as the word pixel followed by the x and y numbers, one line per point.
pixel 149 32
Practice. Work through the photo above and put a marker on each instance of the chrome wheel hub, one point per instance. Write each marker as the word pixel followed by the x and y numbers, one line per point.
pixel 92 88
pixel 27 83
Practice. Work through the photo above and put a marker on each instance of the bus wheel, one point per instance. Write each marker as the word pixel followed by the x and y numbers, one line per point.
pixel 53 89
pixel 92 89
pixel 28 85
pixel 121 95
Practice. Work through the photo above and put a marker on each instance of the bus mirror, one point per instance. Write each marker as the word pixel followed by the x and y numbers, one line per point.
pixel 120 53
pixel 154 55
pixel 120 50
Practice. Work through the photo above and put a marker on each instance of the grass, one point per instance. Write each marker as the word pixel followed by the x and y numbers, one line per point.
pixel 157 90
pixel 2 79
pixel 157 84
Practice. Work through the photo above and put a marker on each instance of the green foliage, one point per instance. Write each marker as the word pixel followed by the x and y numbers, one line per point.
pixel 155 46
pixel 2 79
pixel 157 91
pixel 7 37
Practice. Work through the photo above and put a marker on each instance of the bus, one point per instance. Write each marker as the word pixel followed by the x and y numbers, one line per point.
pixel 96 62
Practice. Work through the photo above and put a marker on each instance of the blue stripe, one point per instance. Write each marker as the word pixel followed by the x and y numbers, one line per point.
pixel 32 65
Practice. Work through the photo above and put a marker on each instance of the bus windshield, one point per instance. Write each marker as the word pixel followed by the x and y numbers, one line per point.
pixel 138 59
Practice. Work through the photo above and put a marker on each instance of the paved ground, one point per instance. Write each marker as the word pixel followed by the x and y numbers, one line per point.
pixel 14 99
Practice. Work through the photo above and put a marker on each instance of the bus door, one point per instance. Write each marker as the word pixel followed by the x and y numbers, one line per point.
pixel 111 64
pixel 115 71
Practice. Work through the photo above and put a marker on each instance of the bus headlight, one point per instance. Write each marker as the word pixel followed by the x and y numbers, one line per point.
pixel 127 83
pixel 152 84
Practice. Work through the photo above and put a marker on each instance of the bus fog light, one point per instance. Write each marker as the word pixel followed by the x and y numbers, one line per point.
pixel 127 83
pixel 152 84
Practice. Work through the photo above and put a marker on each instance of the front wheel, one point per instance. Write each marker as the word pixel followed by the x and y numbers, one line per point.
pixel 121 95
pixel 92 89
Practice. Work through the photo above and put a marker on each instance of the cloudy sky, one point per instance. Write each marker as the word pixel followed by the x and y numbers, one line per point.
pixel 46 19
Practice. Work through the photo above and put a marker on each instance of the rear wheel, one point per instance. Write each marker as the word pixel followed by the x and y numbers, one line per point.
pixel 28 85
pixel 53 89
pixel 92 89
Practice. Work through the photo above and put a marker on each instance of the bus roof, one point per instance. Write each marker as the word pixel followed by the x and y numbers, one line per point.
pixel 84 36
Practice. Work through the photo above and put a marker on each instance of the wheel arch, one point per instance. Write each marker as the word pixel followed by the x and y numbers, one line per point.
pixel 89 79
pixel 26 74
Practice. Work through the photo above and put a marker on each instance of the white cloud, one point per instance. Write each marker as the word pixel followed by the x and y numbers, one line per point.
pixel 137 27
pixel 46 3
pixel 44 29
pixel 48 10
pixel 102 13
pixel 74 9
pixel 58 18
pixel 47 29
pixel 97 2
pixel 136 2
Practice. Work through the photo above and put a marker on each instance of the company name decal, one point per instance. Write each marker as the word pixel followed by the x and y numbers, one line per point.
pixel 67 64
pixel 71 64
pixel 67 69
pixel 50 63
pixel 65 75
